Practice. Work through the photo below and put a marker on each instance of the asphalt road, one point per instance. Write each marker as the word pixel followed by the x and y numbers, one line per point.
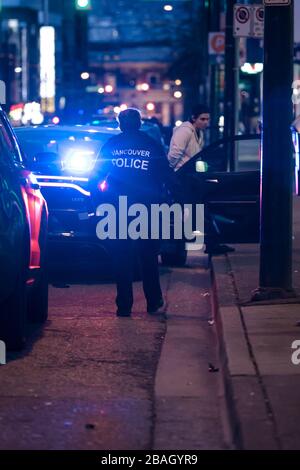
pixel 90 380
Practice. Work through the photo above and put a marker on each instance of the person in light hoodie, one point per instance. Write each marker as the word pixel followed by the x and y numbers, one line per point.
pixel 188 138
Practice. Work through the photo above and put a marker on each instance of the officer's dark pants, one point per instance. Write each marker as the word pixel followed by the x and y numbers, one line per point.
pixel 124 254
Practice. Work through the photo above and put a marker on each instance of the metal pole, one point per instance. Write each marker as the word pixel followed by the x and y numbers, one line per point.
pixel 214 26
pixel 46 12
pixel 277 164
pixel 231 87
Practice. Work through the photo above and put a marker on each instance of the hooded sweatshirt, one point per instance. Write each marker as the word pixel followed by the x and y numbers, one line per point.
pixel 185 143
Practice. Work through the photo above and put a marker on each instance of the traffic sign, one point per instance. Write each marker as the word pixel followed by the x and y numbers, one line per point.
pixel 242 21
pixel 248 21
pixel 216 42
pixel 258 21
pixel 277 3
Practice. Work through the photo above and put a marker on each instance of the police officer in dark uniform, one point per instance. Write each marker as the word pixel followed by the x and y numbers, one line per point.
pixel 135 165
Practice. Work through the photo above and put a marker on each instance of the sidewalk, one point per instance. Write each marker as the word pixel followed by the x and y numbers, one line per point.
pixel 262 384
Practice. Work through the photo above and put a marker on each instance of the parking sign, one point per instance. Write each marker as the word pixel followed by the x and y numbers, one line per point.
pixel 277 3
pixel 258 21
pixel 242 21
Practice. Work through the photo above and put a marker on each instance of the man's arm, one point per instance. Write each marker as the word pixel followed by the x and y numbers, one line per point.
pixel 178 145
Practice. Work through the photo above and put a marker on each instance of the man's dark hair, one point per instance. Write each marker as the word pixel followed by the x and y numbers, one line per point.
pixel 199 109
pixel 130 119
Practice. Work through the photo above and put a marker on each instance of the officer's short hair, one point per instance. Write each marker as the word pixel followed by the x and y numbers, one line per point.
pixel 130 119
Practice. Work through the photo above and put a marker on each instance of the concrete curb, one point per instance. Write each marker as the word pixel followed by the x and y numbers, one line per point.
pixel 186 415
pixel 231 415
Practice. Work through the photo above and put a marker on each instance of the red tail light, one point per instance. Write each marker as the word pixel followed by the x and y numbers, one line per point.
pixel 102 185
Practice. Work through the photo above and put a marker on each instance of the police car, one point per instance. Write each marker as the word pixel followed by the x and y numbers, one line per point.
pixel 23 237
pixel 62 159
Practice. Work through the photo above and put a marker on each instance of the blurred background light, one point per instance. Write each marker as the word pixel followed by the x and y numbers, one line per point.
pixel 150 106
pixel 108 89
pixel 252 69
pixel 55 120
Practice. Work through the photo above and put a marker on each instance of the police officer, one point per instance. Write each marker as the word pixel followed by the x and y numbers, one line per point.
pixel 135 165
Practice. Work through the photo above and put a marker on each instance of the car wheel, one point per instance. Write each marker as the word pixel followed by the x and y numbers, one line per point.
pixel 177 258
pixel 38 300
pixel 13 314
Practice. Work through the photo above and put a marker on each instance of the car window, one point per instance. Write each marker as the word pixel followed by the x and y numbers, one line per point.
pixel 34 141
pixel 248 154
pixel 214 157
pixel 8 151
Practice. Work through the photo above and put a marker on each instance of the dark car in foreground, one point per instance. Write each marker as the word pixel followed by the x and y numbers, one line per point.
pixel 23 240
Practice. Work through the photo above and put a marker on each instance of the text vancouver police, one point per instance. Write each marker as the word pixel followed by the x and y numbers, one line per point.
pixel 137 163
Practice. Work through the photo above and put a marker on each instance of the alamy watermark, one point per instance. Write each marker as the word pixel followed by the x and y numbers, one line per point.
pixel 154 222
pixel 2 353
pixel 295 358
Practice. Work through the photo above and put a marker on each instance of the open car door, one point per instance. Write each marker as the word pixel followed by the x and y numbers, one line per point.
pixel 231 198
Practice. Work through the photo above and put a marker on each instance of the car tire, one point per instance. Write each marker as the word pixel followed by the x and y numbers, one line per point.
pixel 13 311
pixel 177 258
pixel 38 299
